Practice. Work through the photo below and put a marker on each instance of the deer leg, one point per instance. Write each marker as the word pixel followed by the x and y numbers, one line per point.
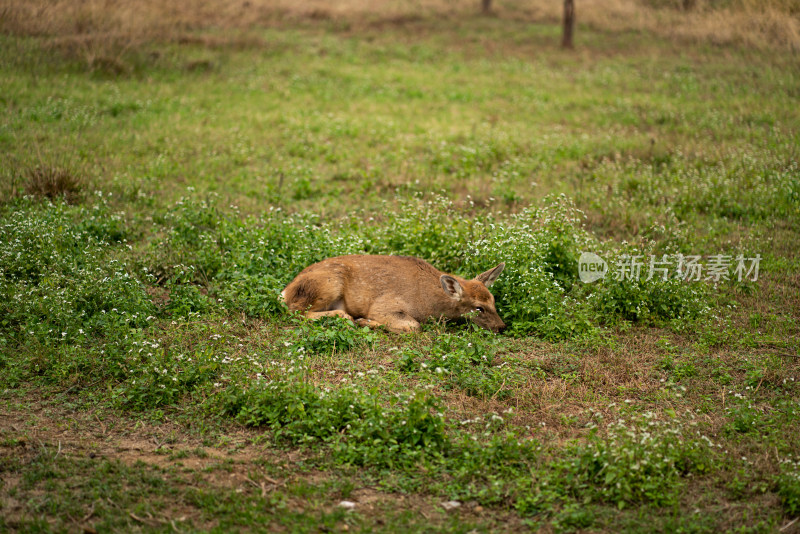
pixel 398 323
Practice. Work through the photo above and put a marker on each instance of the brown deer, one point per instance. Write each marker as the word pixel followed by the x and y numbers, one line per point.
pixel 398 292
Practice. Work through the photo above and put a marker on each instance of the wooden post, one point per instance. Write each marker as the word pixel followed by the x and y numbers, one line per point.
pixel 486 6
pixel 569 23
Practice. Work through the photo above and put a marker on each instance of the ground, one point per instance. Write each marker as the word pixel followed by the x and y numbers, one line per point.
pixel 160 189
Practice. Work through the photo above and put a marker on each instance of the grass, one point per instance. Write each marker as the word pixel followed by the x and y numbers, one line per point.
pixel 156 200
pixel 100 31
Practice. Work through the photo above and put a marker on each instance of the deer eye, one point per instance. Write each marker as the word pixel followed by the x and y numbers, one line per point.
pixel 479 309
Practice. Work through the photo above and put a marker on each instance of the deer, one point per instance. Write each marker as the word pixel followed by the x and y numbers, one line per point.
pixel 395 292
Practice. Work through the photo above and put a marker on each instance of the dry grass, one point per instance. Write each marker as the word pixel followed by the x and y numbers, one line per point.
pixel 53 182
pixel 104 29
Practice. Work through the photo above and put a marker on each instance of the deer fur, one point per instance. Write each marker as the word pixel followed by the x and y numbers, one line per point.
pixel 398 292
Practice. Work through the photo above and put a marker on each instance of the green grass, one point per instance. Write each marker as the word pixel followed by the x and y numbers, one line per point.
pixel 153 380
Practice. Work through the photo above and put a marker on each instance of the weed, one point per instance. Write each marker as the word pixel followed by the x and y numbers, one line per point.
pixel 640 460
pixel 186 300
pixel 53 183
pixel 158 377
pixel 536 293
pixel 61 290
pixel 464 362
pixel 359 430
pixel 329 335
pixel 788 482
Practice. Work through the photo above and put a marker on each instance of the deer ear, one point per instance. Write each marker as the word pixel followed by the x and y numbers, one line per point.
pixel 451 286
pixel 491 275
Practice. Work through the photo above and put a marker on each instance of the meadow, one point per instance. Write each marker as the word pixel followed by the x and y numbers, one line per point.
pixel 160 184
